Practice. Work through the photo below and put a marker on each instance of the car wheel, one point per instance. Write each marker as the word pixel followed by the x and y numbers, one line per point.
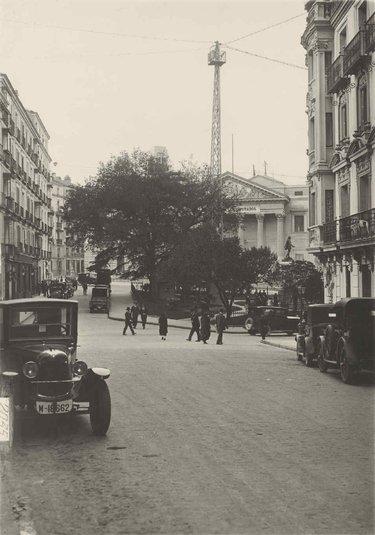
pixel 100 408
pixel 347 370
pixel 6 392
pixel 249 325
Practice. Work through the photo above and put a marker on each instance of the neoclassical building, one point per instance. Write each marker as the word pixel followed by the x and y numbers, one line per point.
pixel 270 212
pixel 25 197
pixel 340 53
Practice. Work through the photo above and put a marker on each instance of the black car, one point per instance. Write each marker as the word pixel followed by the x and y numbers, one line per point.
pixel 39 369
pixel 348 342
pixel 277 319
pixel 310 331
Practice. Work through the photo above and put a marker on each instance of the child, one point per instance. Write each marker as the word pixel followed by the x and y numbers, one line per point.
pixel 163 326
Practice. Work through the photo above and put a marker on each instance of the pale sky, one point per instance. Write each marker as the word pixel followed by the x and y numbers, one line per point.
pixel 99 92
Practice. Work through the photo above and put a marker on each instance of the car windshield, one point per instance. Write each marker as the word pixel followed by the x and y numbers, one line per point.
pixel 39 322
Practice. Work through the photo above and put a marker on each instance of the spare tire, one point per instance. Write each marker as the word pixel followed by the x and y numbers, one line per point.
pixel 249 324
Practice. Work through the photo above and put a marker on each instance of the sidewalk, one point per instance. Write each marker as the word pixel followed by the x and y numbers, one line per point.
pixel 119 302
pixel 283 342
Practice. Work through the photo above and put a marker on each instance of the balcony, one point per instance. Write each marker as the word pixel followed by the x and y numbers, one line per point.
pixel 10 250
pixel 335 76
pixel 329 232
pixel 370 34
pixel 357 226
pixel 354 53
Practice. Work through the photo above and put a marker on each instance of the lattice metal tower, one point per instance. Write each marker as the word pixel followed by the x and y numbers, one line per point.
pixel 216 58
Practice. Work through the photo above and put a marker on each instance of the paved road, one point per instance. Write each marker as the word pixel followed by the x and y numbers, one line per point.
pixel 232 439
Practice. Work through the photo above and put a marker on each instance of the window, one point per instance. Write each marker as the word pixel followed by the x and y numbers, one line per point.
pixel 364 193
pixel 342 40
pixel 362 15
pixel 298 193
pixel 344 201
pixel 362 108
pixel 327 60
pixel 299 223
pixel 312 208
pixel 312 134
pixel 329 129
pixel 329 205
pixel 343 126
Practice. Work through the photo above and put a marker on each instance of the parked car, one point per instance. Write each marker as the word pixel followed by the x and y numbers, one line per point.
pixel 348 342
pixel 57 290
pixel 39 369
pixel 310 331
pixel 100 298
pixel 278 319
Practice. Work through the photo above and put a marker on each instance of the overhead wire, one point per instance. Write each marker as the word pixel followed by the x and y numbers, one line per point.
pixel 263 29
pixel 266 58
pixel 101 32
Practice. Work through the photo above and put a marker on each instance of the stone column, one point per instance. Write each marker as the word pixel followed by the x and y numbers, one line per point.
pixel 260 221
pixel 241 230
pixel 280 218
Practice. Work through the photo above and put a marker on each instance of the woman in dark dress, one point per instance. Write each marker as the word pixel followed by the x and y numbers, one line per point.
pixel 163 326
pixel 205 327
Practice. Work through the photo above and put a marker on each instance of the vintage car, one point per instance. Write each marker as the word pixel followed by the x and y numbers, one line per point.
pixel 100 298
pixel 39 369
pixel 348 342
pixel 310 331
pixel 57 290
pixel 277 318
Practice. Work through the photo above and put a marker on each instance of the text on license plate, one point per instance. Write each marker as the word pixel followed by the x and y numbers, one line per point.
pixel 53 407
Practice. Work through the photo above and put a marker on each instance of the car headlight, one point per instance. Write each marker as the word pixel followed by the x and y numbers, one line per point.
pixel 79 367
pixel 30 369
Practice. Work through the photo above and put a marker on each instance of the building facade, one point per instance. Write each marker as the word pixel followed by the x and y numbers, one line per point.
pixel 25 197
pixel 270 212
pixel 67 259
pixel 340 43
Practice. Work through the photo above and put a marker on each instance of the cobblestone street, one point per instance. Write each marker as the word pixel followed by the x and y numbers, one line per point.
pixel 239 438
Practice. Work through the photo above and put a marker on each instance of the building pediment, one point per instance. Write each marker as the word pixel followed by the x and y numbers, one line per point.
pixel 247 191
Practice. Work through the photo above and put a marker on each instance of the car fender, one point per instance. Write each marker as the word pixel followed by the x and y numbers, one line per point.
pixel 309 345
pixel 84 387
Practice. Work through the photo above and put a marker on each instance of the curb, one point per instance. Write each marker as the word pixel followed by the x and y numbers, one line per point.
pixel 274 344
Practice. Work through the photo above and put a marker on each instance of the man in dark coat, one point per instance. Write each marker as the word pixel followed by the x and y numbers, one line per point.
pixel 135 314
pixel 128 321
pixel 163 326
pixel 205 327
pixel 194 326
pixel 143 316
pixel 221 325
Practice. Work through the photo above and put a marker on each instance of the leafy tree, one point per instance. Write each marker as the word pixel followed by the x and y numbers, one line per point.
pixel 140 208
pixel 206 258
pixel 300 274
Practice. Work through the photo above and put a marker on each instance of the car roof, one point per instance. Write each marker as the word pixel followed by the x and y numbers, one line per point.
pixel 321 305
pixel 269 306
pixel 342 303
pixel 36 301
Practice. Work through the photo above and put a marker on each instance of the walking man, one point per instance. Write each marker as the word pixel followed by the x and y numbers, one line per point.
pixel 128 321
pixel 194 326
pixel 221 325
pixel 143 316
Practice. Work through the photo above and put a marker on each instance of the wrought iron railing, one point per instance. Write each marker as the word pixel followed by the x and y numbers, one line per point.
pixel 335 75
pixel 353 53
pixel 370 34
pixel 357 226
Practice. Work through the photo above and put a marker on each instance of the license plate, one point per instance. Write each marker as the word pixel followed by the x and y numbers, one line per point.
pixel 53 407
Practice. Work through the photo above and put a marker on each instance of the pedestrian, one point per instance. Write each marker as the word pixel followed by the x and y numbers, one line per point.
pixel 163 326
pixel 194 326
pixel 205 327
pixel 275 300
pixel 135 314
pixel 128 321
pixel 264 326
pixel 84 288
pixel 221 325
pixel 143 316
